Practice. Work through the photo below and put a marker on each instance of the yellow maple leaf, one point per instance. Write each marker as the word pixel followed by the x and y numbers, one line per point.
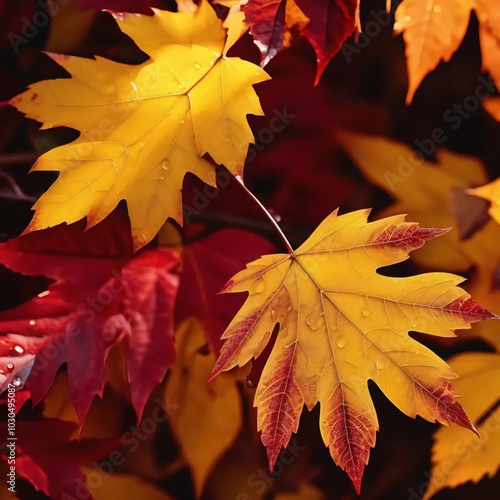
pixel 209 417
pixel 342 324
pixel 422 189
pixel 428 193
pixel 144 127
pixel 432 31
pixel 458 456
pixel 490 192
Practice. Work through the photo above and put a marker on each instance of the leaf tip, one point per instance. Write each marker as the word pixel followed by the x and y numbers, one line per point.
pixel 470 310
pixel 226 287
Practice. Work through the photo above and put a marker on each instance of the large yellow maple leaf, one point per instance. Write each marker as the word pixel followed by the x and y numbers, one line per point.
pixel 341 324
pixel 144 127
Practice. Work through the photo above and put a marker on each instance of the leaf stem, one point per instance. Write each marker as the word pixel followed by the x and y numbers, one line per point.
pixel 268 215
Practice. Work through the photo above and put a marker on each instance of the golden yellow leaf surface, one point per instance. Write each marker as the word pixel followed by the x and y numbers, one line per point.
pixel 430 193
pixel 122 486
pixel 208 417
pixel 144 127
pixel 459 456
pixel 432 31
pixel 341 324
pixel 490 192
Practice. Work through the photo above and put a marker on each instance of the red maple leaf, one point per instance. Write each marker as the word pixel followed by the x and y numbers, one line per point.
pixel 100 296
pixel 273 27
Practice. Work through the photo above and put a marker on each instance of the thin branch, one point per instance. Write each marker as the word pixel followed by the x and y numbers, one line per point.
pixel 268 215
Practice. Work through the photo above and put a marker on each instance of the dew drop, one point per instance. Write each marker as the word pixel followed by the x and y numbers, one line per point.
pixel 16 351
pixel 109 89
pixel 381 363
pixel 197 66
pixel 17 381
pixel 398 379
pixel 165 164
pixel 312 323
pixel 162 177
pixel 437 9
pixel 10 367
pixel 273 313
pixel 407 19
pixel 44 294
pixel 32 322
pixel 365 312
pixel 2 372
pixel 259 285
pixel 276 215
pixel 340 342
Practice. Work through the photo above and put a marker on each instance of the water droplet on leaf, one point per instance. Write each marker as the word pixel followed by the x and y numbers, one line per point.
pixel 341 342
pixel 259 285
pixel 16 351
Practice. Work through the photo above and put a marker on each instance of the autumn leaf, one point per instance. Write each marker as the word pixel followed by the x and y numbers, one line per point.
pixel 209 417
pixel 432 30
pixel 99 297
pixel 50 458
pixel 490 192
pixel 342 324
pixel 326 24
pixel 144 127
pixel 458 456
pixel 273 25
